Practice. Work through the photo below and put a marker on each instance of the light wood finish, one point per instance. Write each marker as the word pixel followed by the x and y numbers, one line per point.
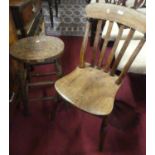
pixel 122 51
pixel 89 89
pixel 84 44
pixel 122 15
pixel 131 59
pixel 37 49
pixel 112 53
pixel 117 2
pixel 96 42
pixel 106 39
pixel 92 88
pixel 136 3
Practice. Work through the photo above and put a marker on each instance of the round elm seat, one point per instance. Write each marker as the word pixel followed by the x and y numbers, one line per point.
pixel 37 49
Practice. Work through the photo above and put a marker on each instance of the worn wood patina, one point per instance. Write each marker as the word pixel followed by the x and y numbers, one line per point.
pixel 37 50
pixel 93 87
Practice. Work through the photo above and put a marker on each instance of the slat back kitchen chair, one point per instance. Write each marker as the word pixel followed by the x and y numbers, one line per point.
pixel 92 87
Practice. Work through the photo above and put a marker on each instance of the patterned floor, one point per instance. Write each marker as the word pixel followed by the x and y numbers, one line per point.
pixel 70 20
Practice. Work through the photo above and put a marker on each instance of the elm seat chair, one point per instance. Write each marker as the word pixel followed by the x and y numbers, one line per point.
pixel 92 87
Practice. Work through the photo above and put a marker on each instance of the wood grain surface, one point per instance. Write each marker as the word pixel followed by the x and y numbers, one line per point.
pixel 120 14
pixel 37 49
pixel 89 89
pixel 93 89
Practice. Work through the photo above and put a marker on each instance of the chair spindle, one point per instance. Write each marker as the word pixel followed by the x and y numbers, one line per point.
pixel 131 59
pixel 122 51
pixel 106 39
pixel 96 42
pixel 84 44
pixel 111 56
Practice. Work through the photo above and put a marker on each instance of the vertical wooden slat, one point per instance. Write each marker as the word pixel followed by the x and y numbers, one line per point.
pixel 130 61
pixel 111 56
pixel 119 2
pixel 106 39
pixel 97 38
pixel 137 3
pixel 122 51
pixel 84 45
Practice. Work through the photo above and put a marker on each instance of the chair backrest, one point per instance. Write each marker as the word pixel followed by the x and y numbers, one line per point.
pixel 135 3
pixel 117 2
pixel 139 4
pixel 125 17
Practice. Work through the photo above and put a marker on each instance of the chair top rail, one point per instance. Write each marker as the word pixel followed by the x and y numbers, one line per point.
pixel 120 14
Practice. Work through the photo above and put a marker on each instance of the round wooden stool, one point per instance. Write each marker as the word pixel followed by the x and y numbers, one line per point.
pixel 37 50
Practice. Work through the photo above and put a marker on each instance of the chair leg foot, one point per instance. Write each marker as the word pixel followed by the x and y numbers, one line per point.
pixel 103 132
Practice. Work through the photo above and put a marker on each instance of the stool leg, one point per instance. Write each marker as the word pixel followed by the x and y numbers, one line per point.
pixel 18 94
pixel 58 69
pixel 59 73
pixel 103 132
pixel 24 91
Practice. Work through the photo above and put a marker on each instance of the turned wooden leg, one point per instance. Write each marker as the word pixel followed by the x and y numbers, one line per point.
pixel 58 69
pixel 59 73
pixel 24 91
pixel 103 132
pixel 18 91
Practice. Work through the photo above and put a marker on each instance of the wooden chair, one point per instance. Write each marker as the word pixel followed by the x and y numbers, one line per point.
pixel 92 87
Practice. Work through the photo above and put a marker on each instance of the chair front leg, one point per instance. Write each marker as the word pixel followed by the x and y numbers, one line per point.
pixel 103 131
